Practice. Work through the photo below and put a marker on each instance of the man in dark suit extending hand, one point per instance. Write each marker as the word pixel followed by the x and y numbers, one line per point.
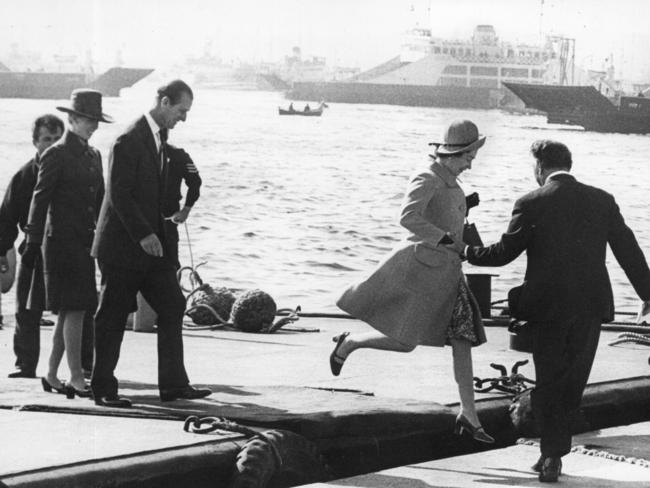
pixel 564 226
pixel 129 246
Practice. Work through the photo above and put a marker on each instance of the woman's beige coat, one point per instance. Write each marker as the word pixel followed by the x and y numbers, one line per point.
pixel 411 294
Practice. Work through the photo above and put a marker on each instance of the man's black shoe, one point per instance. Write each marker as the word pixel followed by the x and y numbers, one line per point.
pixel 185 393
pixel 551 469
pixel 537 467
pixel 112 401
pixel 20 373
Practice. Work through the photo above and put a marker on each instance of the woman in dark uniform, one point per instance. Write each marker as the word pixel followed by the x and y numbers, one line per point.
pixel 62 217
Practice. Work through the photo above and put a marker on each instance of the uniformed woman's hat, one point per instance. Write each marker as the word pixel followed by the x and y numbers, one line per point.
pixel 87 103
pixel 461 136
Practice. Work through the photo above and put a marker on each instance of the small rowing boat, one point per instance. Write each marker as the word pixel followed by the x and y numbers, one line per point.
pixel 309 112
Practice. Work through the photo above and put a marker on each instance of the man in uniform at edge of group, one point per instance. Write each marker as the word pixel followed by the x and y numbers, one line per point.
pixel 564 226
pixel 47 129
pixel 129 246
pixel 180 167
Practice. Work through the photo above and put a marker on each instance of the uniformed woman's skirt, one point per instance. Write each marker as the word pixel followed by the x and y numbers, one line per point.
pixel 69 276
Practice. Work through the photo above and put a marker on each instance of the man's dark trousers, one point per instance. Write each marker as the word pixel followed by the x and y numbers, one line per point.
pixel 88 341
pixel 27 333
pixel 563 353
pixel 171 241
pixel 160 289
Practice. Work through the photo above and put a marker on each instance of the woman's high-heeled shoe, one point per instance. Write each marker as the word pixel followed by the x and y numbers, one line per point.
pixel 478 433
pixel 48 387
pixel 71 391
pixel 336 361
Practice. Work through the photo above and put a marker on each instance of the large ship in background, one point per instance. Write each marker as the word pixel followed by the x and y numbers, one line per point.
pixel 210 71
pixel 437 72
pixel 296 68
pixel 27 76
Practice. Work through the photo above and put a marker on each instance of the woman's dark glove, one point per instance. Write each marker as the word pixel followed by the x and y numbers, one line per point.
pixel 31 252
pixel 472 200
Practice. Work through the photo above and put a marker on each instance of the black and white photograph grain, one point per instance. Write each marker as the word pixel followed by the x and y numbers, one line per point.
pixel 324 243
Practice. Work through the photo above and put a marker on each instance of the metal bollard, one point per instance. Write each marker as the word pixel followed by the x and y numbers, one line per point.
pixel 480 284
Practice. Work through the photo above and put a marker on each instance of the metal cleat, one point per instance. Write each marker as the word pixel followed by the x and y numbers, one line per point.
pixel 512 384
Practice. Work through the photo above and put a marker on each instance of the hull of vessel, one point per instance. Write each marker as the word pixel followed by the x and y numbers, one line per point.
pixel 60 85
pixel 584 106
pixel 388 94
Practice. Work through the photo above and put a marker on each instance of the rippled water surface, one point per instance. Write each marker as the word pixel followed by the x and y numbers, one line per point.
pixel 299 207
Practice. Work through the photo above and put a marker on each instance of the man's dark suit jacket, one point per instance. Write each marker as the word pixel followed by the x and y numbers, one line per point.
pixel 132 206
pixel 180 167
pixel 15 205
pixel 564 227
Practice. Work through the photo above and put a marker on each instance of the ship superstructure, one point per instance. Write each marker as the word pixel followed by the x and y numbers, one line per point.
pixel 464 73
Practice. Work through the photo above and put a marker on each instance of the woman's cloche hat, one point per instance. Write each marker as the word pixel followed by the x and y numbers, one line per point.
pixel 461 136
pixel 87 103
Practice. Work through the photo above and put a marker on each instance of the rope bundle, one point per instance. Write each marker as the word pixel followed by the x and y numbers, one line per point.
pixel 632 337
pixel 251 311
pixel 209 308
pixel 205 305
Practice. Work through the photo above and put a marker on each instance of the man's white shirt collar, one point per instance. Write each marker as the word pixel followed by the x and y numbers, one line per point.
pixel 155 129
pixel 555 173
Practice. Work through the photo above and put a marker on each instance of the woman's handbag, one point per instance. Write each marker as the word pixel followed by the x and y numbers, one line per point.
pixel 471 236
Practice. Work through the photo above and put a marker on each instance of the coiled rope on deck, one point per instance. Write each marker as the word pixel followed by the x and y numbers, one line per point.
pixel 631 337
pixel 269 458
pixel 211 308
pixel 205 425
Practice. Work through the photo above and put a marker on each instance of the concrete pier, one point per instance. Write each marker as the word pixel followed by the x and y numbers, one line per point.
pixel 385 410
pixel 615 457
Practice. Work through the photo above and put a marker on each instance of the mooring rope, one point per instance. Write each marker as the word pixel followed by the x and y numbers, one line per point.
pixel 632 337
pixel 205 425
pixel 189 245
pixel 644 463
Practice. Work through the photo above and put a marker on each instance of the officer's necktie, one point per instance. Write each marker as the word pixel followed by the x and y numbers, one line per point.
pixel 161 152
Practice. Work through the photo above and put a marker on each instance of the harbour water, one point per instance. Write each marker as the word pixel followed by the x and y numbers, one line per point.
pixel 302 206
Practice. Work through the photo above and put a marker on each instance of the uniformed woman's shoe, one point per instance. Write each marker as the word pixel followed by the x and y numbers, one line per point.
pixel 478 433
pixel 49 387
pixel 336 361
